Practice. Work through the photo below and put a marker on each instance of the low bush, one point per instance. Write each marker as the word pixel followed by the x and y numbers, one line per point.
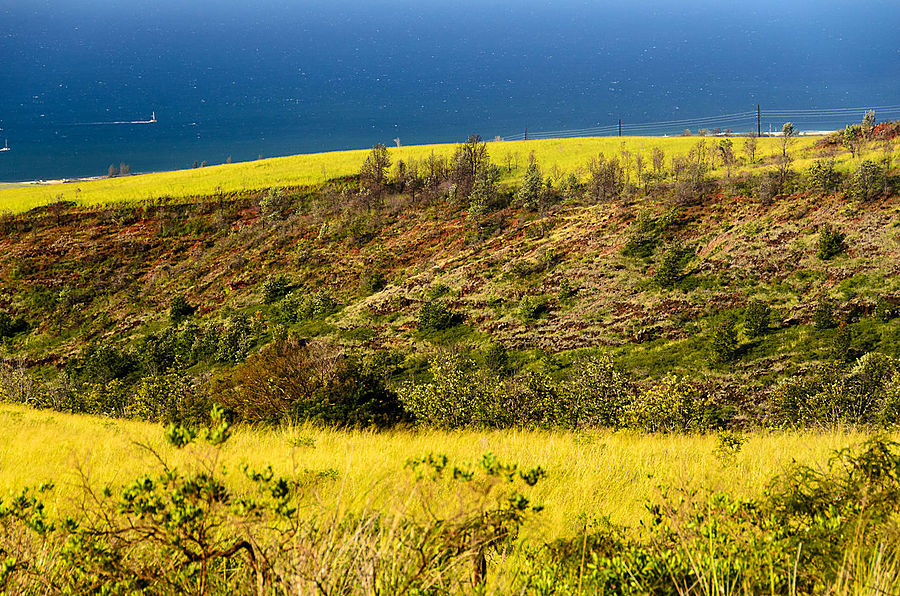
pixel 823 315
pixel 757 317
pixel 671 264
pixel 821 176
pixel 180 309
pixel 459 395
pixel 435 315
pixel 596 395
pixel 723 341
pixel 868 181
pixel 830 394
pixel 830 243
pixel 299 306
pixel 672 405
pixel 532 307
pixel 274 288
pixel 10 325
pixel 290 380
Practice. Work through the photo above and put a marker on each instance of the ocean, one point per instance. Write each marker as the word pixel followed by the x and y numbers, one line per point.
pixel 277 77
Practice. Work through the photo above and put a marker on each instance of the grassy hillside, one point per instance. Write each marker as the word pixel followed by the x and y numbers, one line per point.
pixel 507 378
pixel 564 155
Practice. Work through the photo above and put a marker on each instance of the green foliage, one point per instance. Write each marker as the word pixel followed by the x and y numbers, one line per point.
pixel 373 283
pixel 102 362
pixel 275 288
pixel 830 395
pixel 532 307
pixel 757 317
pixel 597 394
pixel 671 264
pixel 868 181
pixel 728 445
pixel 459 395
pixel 529 194
pixel 299 306
pixel 291 380
pixel 830 243
pixel 723 341
pixel 821 176
pixel 823 315
pixel 435 315
pixel 673 405
pixel 885 311
pixel 180 309
pixel 10 325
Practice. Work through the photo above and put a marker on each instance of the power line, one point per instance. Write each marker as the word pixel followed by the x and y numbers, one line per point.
pixel 732 120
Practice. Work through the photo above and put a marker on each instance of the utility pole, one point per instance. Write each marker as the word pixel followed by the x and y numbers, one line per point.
pixel 620 127
pixel 758 129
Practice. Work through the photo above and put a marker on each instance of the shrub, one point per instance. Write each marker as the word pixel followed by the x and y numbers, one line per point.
pixel 102 362
pixel 670 268
pixel 885 311
pixel 274 288
pixel 596 395
pixel 842 342
pixel 823 315
pixel 723 341
pixel 236 337
pixel 669 406
pixel 529 194
pixel 822 176
pixel 532 307
pixel 756 318
pixel 828 395
pixel 315 381
pixel 435 315
pixel 166 399
pixel 643 236
pixel 10 326
pixel 830 243
pixel 372 283
pixel 869 180
pixel 565 292
pixel 180 309
pixel 300 306
pixel 160 352
pixel 458 396
pixel 496 358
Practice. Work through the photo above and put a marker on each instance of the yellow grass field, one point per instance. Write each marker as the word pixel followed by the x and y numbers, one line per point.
pixel 560 155
pixel 603 473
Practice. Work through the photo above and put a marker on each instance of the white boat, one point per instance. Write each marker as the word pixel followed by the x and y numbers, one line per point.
pixel 5 146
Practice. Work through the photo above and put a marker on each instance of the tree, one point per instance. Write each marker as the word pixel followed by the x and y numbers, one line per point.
pixel 659 161
pixel 112 172
pixel 726 152
pixel 868 121
pixel 853 139
pixel 530 192
pixel 750 148
pixel 374 169
pixel 783 161
pixel 469 159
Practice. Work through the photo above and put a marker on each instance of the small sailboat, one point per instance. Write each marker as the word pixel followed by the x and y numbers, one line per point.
pixel 5 146
pixel 153 117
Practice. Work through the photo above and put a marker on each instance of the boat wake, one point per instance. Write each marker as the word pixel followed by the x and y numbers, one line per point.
pixel 152 120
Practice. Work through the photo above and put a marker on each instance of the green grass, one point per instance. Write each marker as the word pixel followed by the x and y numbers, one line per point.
pixel 600 473
pixel 554 155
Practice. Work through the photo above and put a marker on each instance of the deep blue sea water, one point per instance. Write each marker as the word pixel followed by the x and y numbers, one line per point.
pixel 276 77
